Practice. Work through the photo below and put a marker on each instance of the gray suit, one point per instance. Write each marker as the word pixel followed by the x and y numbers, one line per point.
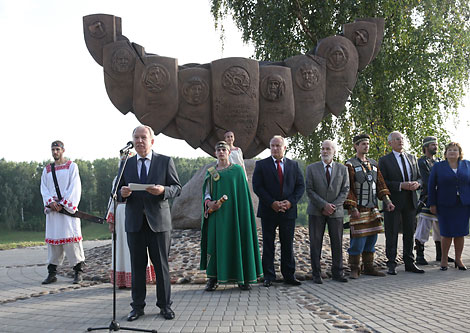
pixel 319 194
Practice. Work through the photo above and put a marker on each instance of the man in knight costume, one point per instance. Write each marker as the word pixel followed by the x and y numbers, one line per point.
pixel 427 220
pixel 61 190
pixel 367 186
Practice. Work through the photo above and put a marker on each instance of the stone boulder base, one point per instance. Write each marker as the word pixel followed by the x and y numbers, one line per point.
pixel 186 211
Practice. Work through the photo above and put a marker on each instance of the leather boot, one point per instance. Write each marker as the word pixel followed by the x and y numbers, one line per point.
pixel 354 266
pixel 368 262
pixel 438 251
pixel 419 247
pixel 51 276
pixel 77 278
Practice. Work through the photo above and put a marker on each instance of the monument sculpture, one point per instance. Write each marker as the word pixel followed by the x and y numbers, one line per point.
pixel 256 100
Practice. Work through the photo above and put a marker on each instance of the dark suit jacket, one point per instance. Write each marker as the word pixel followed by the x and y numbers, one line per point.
pixel 267 187
pixel 391 172
pixel 319 193
pixel 162 171
pixel 444 184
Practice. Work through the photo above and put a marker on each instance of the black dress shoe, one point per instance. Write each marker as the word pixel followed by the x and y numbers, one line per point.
pixel 293 282
pixel 392 271
pixel 167 313
pixel 340 278
pixel 245 286
pixel 135 314
pixel 461 268
pixel 211 285
pixel 443 268
pixel 267 283
pixel 413 269
pixel 317 280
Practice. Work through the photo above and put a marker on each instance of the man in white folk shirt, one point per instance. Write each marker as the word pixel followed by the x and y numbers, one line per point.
pixel 63 232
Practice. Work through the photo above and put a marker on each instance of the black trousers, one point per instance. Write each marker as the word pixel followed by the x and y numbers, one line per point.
pixel 158 245
pixel 407 216
pixel 286 237
pixel 316 230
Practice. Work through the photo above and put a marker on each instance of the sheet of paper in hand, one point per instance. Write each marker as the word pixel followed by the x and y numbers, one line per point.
pixel 139 187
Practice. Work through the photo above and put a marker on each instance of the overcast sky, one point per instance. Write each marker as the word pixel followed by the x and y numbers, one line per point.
pixel 52 88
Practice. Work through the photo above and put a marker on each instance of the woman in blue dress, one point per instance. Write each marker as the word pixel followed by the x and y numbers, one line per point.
pixel 449 198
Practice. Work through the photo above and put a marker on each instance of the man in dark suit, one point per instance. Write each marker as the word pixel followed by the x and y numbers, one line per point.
pixel 148 219
pixel 279 184
pixel 327 188
pixel 401 174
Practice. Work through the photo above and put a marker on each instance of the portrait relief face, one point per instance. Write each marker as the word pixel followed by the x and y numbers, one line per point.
pixel 121 61
pixel 307 76
pixel 337 58
pixel 195 91
pixel 273 87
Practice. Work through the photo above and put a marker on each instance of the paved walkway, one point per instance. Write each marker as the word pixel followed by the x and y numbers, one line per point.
pixel 434 302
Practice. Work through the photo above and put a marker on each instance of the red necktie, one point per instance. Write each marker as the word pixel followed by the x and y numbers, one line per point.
pixel 279 173
pixel 328 176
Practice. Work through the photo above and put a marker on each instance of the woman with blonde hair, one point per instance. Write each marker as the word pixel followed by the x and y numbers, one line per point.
pixel 449 199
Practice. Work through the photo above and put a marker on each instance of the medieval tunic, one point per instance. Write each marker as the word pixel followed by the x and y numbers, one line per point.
pixel 370 220
pixel 60 228
pixel 229 240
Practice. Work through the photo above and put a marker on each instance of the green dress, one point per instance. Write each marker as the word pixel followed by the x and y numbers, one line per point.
pixel 229 240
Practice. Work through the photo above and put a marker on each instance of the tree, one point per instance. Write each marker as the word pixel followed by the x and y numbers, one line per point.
pixel 415 83
pixel 88 181
pixel 105 170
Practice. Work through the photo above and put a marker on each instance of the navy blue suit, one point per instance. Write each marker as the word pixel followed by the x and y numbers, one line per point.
pixel 148 225
pixel 267 187
pixel 450 192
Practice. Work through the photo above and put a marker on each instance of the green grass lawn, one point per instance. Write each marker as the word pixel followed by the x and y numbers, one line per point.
pixel 14 239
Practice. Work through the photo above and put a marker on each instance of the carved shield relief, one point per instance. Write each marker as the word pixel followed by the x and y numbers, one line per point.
pixel 235 86
pixel 194 118
pixel 99 30
pixel 156 91
pixel 276 103
pixel 363 35
pixel 255 148
pixel 341 70
pixel 118 65
pixel 172 131
pixel 380 25
pixel 309 84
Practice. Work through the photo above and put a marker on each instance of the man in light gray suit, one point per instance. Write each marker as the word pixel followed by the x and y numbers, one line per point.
pixel 327 188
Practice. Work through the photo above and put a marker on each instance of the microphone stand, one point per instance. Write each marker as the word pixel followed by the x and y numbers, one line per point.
pixel 114 325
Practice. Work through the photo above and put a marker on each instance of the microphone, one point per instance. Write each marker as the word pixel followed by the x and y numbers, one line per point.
pixel 128 146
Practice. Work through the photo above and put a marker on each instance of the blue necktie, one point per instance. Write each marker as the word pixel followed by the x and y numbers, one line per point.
pixel 143 172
